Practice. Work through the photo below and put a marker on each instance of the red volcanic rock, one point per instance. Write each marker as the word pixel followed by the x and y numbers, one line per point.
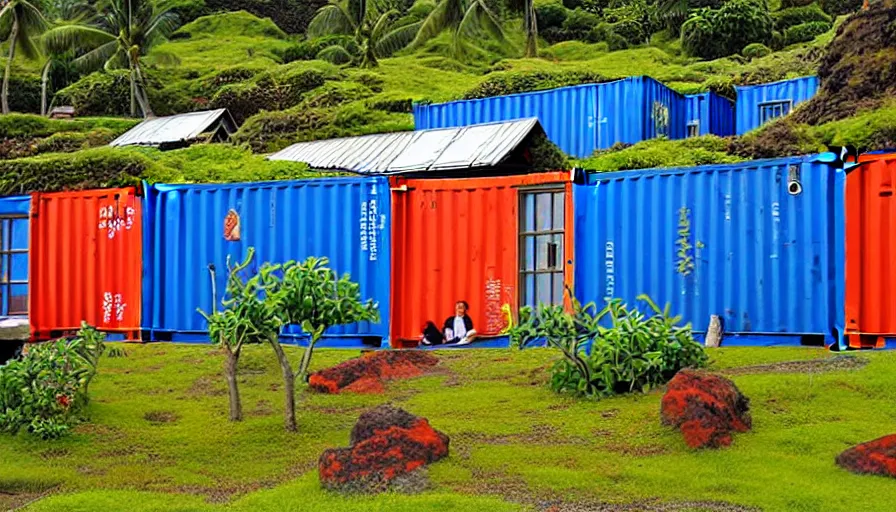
pixel 706 408
pixel 366 374
pixel 389 447
pixel 876 457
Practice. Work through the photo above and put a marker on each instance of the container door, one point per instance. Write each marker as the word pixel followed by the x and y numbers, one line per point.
pixel 542 249
pixel 14 265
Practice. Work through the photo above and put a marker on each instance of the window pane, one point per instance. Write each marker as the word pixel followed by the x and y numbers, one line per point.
pixel 559 213
pixel 543 288
pixel 18 300
pixel 528 212
pixel 561 258
pixel 529 290
pixel 529 253
pixel 19 267
pixel 541 262
pixel 544 209
pixel 558 289
pixel 19 236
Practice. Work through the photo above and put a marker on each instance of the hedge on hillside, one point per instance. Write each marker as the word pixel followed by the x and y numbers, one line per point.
pixel 271 91
pixel 798 15
pixel 24 94
pixel 805 32
pixel 662 153
pixel 292 16
pixel 95 168
pixel 840 7
pixel 109 94
pixel 513 82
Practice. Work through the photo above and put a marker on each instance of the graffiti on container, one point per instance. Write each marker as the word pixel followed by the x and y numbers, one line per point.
pixel 685 260
pixel 495 319
pixel 364 226
pixel 610 263
pixel 113 304
pixel 112 222
pixel 727 207
pixel 661 118
pixel 232 226
pixel 776 225
pixel 371 224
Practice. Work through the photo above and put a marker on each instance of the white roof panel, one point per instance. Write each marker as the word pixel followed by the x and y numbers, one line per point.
pixel 177 128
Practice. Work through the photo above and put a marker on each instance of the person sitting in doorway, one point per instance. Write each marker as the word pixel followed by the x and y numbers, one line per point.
pixel 458 329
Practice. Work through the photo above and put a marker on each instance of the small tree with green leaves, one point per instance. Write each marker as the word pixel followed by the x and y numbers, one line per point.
pixel 248 315
pixel 313 296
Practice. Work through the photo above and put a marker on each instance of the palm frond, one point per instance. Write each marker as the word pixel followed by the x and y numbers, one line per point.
pixel 479 18
pixel 433 25
pixel 161 25
pixel 75 36
pixel 332 19
pixel 97 58
pixel 383 24
pixel 397 39
pixel 335 54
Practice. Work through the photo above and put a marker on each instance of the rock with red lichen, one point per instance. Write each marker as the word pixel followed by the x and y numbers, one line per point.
pixel 390 449
pixel 706 408
pixel 365 374
pixel 876 457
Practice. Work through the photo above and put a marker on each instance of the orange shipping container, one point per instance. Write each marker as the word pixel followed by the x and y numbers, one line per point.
pixel 86 262
pixel 871 251
pixel 465 239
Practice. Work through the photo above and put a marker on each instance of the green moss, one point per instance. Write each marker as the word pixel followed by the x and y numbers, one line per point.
pixel 662 153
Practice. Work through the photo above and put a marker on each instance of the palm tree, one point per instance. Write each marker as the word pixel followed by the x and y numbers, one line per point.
pixel 465 18
pixel 530 25
pixel 371 26
pixel 24 22
pixel 119 38
pixel 59 67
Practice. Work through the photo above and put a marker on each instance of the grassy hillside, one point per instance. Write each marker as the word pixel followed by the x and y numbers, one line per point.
pixel 158 439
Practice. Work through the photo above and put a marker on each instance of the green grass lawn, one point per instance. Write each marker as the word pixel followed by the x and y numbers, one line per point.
pixel 159 439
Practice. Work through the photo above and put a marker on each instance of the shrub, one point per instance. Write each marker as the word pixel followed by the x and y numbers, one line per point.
pixel 616 350
pixel 67 142
pixel 579 23
pixel 95 168
pixel 550 16
pixel 46 390
pixel 107 94
pixel 699 39
pixel 787 4
pixel 778 41
pixel 662 153
pixel 756 50
pixel 799 15
pixel 269 91
pixel 24 94
pixel 512 82
pixel 805 32
pixel 840 7
pixel 395 104
pixel 742 22
pixel 292 16
pixel 631 31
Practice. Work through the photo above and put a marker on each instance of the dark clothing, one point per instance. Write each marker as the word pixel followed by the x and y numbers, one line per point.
pixel 449 324
pixel 432 334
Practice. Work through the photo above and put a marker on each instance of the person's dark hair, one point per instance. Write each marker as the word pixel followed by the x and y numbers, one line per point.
pixel 466 306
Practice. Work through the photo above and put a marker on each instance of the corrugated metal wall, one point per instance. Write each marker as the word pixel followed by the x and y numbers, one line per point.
pixel 458 240
pixel 580 119
pixel 86 258
pixel 871 250
pixel 344 219
pixel 14 260
pixel 726 240
pixel 750 99
pixel 713 114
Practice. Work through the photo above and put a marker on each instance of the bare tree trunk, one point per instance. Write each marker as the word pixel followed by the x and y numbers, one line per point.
pixel 289 386
pixel 306 357
pixel 230 366
pixel 13 37
pixel 140 89
pixel 44 81
pixel 531 30
pixel 133 94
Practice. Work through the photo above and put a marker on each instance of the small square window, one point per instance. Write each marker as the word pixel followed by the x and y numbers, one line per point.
pixel 694 129
pixel 773 110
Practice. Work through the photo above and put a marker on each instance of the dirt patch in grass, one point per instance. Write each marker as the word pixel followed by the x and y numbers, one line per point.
pixel 17 501
pixel 160 417
pixel 262 408
pixel 831 364
pixel 206 386
pixel 105 432
pixel 54 453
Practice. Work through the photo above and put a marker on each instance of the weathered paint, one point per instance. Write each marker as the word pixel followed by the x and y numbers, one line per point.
pixel 870 251
pixel 459 240
pixel 579 119
pixel 343 219
pixel 711 114
pixel 727 240
pixel 750 99
pixel 86 257
pixel 14 259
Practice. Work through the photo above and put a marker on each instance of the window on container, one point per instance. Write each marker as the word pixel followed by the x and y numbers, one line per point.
pixel 694 129
pixel 542 251
pixel 773 110
pixel 13 266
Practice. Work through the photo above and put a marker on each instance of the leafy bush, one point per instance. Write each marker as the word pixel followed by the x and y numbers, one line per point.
pixel 634 352
pixel 46 390
pixel 108 94
pixel 67 142
pixel 579 23
pixel 799 15
pixel 392 103
pixel 778 42
pixel 840 7
pixel 805 32
pixel 512 82
pixel 550 16
pixel 292 16
pixel 649 154
pixel 787 4
pixel 712 34
pixel 269 91
pixel 24 94
pixel 95 168
pixel 698 38
pixel 756 50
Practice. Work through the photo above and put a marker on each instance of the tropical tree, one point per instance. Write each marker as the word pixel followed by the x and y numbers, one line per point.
pixel 59 67
pixel 465 18
pixel 530 26
pixel 370 24
pixel 120 37
pixel 24 22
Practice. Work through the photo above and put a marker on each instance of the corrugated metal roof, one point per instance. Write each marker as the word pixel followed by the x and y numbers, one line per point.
pixel 446 149
pixel 172 129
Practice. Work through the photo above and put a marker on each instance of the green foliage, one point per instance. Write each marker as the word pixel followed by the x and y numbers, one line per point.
pixel 793 16
pixel 24 94
pixel 546 156
pixel 235 23
pixel 99 94
pixel 756 50
pixel 28 125
pixel 636 352
pixel 698 37
pixel 293 16
pixel 550 16
pixel 578 24
pixel 513 82
pixel 648 154
pixel 805 32
pixel 46 390
pixel 268 91
pixel 67 142
pixel 711 34
pixel 840 7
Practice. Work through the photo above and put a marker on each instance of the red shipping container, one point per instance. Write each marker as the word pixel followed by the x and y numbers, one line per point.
pixel 86 262
pixel 871 251
pixel 460 239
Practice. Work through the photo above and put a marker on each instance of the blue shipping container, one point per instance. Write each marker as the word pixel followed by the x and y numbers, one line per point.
pixel 14 213
pixel 189 227
pixel 579 119
pixel 727 240
pixel 759 104
pixel 709 114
